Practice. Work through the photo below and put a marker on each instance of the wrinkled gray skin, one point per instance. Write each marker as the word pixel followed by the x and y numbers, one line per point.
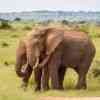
pixel 74 50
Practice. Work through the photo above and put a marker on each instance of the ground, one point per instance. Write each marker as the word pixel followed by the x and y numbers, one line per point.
pixel 70 98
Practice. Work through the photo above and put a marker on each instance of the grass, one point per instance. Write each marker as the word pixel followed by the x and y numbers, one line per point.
pixel 10 83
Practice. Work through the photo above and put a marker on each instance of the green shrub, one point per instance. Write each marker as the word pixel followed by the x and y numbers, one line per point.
pixel 27 28
pixel 5 25
pixel 45 23
pixel 4 44
pixel 14 36
pixel 96 71
pixel 17 19
pixel 84 28
pixel 65 22
pixel 82 22
pixel 98 35
pixel 6 63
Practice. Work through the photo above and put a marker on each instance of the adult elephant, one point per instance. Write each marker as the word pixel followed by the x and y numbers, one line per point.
pixel 57 50
pixel 35 50
pixel 76 51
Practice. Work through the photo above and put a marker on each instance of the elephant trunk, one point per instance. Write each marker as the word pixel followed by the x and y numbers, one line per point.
pixel 18 69
pixel 20 58
pixel 45 61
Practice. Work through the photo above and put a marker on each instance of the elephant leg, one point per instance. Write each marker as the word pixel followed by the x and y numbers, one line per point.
pixel 54 66
pixel 25 79
pixel 54 79
pixel 37 76
pixel 82 71
pixel 62 71
pixel 45 79
pixel 81 81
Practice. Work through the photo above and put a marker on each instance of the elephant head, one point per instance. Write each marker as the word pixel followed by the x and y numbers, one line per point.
pixel 40 42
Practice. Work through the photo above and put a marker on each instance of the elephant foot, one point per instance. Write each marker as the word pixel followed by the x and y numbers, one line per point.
pixel 24 86
pixel 37 88
pixel 45 88
pixel 61 88
pixel 81 86
pixel 56 87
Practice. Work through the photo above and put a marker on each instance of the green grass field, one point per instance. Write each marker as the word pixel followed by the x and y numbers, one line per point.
pixel 10 83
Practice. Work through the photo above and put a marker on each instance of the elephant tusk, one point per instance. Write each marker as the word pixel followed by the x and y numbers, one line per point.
pixel 36 64
pixel 44 62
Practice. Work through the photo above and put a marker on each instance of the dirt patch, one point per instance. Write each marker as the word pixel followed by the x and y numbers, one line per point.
pixel 70 98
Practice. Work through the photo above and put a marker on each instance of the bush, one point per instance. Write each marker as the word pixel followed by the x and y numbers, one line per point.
pixel 27 28
pixel 17 19
pixel 5 25
pixel 65 22
pixel 84 28
pixel 96 71
pixel 82 22
pixel 6 63
pixel 1 19
pixel 4 44
pixel 14 36
pixel 46 23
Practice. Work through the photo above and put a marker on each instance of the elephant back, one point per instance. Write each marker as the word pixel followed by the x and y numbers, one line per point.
pixel 76 35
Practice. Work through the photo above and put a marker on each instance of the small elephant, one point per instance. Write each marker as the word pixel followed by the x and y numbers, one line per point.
pixel 34 50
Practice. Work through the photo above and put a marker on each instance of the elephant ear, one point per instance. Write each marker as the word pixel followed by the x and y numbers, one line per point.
pixel 54 38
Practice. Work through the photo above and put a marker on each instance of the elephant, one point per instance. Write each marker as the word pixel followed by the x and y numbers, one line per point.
pixel 75 51
pixel 57 49
pixel 34 50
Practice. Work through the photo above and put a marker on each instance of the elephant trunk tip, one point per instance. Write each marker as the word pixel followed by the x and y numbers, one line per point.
pixel 19 73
